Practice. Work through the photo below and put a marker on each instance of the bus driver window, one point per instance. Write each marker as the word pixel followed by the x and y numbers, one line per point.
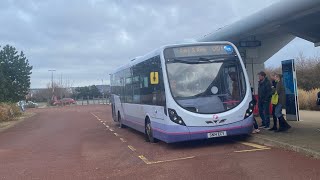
pixel 235 88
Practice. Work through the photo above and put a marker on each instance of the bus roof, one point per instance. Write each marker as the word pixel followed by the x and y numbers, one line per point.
pixel 138 59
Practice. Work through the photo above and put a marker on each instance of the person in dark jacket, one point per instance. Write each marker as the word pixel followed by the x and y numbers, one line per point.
pixel 264 99
pixel 283 125
pixel 274 117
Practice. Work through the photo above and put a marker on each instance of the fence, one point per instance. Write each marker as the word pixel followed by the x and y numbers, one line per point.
pixel 93 101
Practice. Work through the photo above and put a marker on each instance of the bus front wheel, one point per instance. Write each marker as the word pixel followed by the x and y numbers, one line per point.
pixel 120 121
pixel 149 132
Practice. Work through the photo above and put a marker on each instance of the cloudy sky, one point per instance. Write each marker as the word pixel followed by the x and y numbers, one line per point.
pixel 84 40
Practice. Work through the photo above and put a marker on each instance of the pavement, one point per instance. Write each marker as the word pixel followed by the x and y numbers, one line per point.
pixel 303 137
pixel 83 142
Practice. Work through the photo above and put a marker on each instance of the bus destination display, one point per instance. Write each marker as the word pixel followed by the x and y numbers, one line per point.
pixel 188 51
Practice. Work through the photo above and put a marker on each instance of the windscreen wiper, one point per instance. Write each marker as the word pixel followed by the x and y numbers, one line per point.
pixel 216 59
pixel 195 61
pixel 175 60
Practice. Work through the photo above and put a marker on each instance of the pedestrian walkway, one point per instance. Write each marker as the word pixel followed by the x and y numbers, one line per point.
pixel 303 137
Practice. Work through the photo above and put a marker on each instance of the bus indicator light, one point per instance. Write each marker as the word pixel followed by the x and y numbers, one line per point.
pixel 228 49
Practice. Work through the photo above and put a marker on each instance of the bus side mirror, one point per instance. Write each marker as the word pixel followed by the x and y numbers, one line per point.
pixel 154 78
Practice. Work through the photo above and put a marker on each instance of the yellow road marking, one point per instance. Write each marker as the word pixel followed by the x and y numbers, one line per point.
pixel 254 145
pixel 145 160
pixel 252 150
pixel 257 147
pixel 170 160
pixel 131 148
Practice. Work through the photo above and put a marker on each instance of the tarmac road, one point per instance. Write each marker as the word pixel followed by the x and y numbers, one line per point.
pixel 82 142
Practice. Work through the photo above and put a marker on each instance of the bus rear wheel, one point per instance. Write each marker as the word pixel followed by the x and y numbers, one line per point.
pixel 149 132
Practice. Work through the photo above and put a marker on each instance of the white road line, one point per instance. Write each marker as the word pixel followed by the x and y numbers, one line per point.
pixel 116 134
pixel 94 115
pixel 123 140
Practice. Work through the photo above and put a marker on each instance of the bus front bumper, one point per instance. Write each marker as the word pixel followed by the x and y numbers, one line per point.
pixel 178 133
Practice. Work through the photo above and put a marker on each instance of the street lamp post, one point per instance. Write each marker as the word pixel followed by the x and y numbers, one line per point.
pixel 102 91
pixel 52 70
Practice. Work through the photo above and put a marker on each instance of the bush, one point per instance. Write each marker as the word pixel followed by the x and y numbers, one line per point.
pixel 8 111
pixel 308 99
pixel 4 116
pixel 15 109
pixel 303 99
pixel 313 99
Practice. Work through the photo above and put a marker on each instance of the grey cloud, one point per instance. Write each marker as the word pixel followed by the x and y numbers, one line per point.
pixel 86 40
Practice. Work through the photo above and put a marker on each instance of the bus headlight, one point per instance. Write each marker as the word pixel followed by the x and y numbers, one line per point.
pixel 249 110
pixel 174 117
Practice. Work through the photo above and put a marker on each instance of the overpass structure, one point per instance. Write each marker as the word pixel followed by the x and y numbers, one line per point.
pixel 261 35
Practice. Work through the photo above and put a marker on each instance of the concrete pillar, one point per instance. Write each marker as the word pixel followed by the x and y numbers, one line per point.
pixel 252 70
pixel 253 67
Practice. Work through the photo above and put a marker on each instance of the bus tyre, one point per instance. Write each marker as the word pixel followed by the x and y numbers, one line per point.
pixel 149 133
pixel 120 121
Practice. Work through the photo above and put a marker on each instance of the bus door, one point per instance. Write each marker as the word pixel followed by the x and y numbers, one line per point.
pixel 158 93
pixel 157 109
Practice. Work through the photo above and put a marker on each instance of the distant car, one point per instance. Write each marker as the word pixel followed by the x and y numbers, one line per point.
pixel 31 104
pixel 68 101
pixel 56 103
pixel 21 105
pixel 63 101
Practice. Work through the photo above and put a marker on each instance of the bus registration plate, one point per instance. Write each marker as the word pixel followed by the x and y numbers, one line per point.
pixel 217 134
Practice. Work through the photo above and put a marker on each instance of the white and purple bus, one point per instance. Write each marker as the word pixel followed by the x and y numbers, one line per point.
pixel 184 92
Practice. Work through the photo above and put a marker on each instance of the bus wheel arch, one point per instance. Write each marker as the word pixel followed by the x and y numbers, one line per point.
pixel 148 131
